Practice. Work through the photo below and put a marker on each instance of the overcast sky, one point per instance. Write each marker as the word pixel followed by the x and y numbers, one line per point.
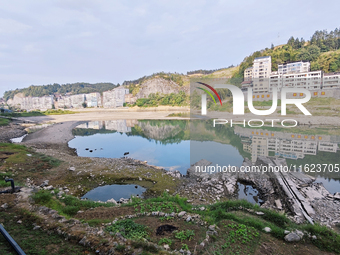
pixel 46 42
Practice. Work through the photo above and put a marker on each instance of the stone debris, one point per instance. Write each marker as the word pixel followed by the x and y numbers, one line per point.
pixel 267 229
pixel 4 206
pixel 181 214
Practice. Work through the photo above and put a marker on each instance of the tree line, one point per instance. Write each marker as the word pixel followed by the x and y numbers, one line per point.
pixel 73 88
pixel 201 71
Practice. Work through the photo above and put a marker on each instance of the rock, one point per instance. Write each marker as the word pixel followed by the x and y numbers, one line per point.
pixel 188 219
pixel 72 168
pixel 278 204
pixel 83 241
pixel 299 233
pixel 19 221
pixel 212 227
pixel 154 213
pixel 292 237
pixel 267 229
pixel 48 187
pixel 140 179
pixel 314 237
pixel 111 201
pixel 202 208
pixel 166 246
pixel 4 206
pixel 287 232
pixel 182 213
pixel 259 213
pixel 337 195
pixel 29 155
pixel 44 184
pixel 36 227
pixel 161 214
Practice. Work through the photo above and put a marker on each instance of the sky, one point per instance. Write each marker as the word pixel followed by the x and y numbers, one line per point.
pixel 66 41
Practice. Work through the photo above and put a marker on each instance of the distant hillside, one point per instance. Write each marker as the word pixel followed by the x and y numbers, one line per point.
pixel 73 88
pixel 322 50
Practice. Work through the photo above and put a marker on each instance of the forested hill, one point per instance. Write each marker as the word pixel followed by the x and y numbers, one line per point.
pixel 322 50
pixel 74 88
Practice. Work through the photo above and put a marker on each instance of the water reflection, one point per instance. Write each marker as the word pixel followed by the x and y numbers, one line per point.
pixel 176 144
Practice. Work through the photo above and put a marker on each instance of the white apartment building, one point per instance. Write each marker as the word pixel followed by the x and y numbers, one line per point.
pixel 295 67
pixel 248 74
pixel 307 80
pixel 262 68
pixel 331 80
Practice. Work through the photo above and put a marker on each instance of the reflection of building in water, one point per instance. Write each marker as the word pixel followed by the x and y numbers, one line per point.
pixel 92 125
pixel 118 125
pixel 260 142
pixel 123 126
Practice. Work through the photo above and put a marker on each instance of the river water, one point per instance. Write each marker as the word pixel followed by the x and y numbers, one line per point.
pixel 176 144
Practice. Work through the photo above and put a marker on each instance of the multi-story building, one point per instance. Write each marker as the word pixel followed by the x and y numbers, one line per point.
pixel 295 67
pixel 331 80
pixel 248 74
pixel 307 80
pixel 262 68
pixel 114 98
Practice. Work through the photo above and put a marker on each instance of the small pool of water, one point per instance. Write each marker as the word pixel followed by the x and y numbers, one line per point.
pixel 249 193
pixel 18 139
pixel 115 191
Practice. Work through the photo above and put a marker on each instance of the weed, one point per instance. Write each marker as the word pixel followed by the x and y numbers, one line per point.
pixel 129 229
pixel 165 241
pixel 184 235
pixel 185 247
pixel 120 247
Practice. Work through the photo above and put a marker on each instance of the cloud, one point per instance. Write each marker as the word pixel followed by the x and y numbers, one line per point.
pixel 11 26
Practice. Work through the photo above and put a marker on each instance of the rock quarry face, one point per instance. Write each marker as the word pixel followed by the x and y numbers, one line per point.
pixel 158 85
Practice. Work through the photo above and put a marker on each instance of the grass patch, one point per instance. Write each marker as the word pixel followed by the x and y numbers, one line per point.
pixel 4 122
pixel 327 239
pixel 34 242
pixel 164 203
pixel 179 114
pixel 129 229
pixel 3 183
pixel 38 113
pixel 68 205
pixel 236 239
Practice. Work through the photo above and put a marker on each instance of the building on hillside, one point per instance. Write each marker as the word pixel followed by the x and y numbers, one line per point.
pixel 93 99
pixel 331 80
pixel 248 74
pixel 262 68
pixel 246 85
pixel 74 101
pixel 295 67
pixel 307 80
pixel 115 98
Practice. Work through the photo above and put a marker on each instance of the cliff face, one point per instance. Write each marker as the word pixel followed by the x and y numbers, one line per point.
pixel 157 85
pixel 159 132
pixel 31 103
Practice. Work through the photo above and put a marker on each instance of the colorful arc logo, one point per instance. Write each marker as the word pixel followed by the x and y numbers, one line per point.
pixel 208 92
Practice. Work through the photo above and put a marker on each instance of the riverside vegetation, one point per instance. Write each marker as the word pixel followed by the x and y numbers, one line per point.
pixel 238 228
